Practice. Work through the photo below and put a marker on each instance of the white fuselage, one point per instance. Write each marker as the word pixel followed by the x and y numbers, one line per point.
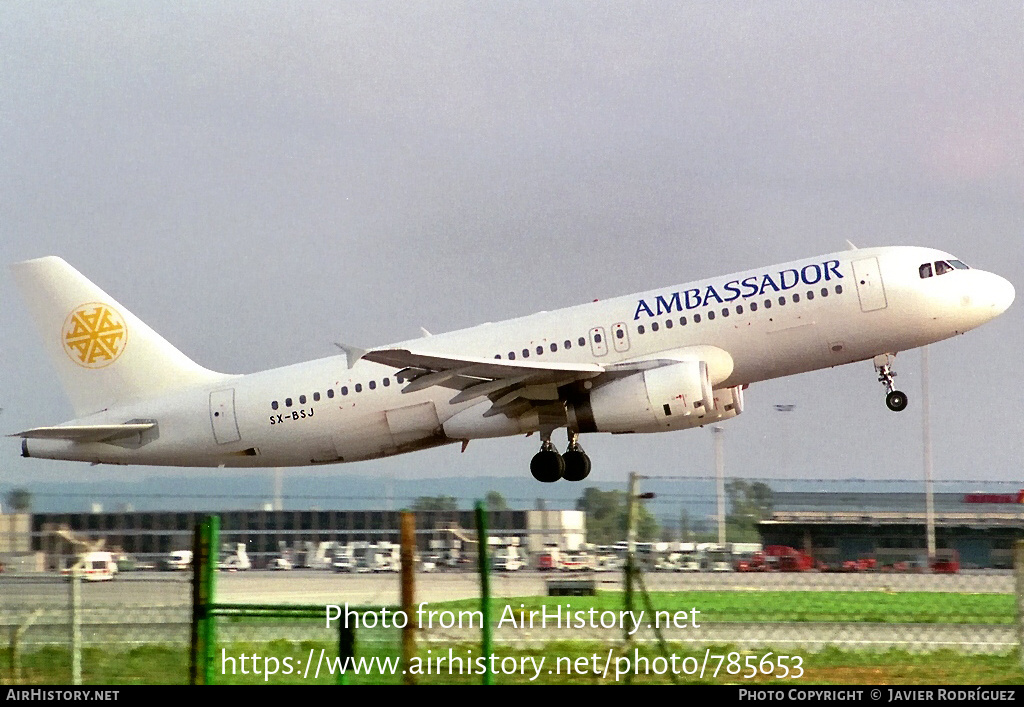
pixel 772 322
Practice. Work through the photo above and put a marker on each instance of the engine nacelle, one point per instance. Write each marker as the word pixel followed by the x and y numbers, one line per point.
pixel 670 397
pixel 728 404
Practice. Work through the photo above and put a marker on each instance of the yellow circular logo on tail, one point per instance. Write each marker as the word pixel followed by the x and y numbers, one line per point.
pixel 94 335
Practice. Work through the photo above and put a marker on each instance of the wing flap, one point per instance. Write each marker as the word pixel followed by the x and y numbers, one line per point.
pixel 485 368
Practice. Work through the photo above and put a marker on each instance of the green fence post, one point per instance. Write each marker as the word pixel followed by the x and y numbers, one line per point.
pixel 346 649
pixel 197 654
pixel 485 588
pixel 208 576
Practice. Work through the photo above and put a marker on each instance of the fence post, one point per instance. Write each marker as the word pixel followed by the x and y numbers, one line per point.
pixel 485 588
pixel 408 553
pixel 1018 576
pixel 204 565
pixel 209 572
pixel 76 624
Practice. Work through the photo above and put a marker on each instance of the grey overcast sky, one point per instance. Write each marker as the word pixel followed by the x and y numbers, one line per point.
pixel 258 180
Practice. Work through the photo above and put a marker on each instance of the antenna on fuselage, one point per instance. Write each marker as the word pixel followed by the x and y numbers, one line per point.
pixel 852 246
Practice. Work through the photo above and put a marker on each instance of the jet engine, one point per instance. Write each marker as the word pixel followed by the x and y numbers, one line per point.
pixel 670 397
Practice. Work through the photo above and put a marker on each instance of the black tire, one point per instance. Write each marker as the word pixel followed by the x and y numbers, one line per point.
pixel 577 466
pixel 896 401
pixel 547 467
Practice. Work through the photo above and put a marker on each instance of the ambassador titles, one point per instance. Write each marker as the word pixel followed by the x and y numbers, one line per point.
pixel 753 286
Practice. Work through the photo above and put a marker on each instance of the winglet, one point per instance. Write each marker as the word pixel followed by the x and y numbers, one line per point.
pixel 352 353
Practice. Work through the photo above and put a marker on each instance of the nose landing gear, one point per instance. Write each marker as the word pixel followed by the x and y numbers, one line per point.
pixel 895 400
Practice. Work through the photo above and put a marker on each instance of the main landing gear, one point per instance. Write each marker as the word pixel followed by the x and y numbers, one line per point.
pixel 896 400
pixel 549 466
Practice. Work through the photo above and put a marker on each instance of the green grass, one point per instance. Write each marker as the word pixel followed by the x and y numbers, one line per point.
pixel 169 665
pixel 774 607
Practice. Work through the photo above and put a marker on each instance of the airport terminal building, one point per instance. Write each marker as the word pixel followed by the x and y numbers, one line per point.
pixel 149 536
pixel 834 527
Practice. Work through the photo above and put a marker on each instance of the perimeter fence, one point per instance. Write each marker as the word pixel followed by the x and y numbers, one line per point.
pixel 848 620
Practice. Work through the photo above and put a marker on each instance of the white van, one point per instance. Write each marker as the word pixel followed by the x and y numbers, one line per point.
pixel 93 566
pixel 178 560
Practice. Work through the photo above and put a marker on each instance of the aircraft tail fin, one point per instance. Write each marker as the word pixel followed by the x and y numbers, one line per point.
pixel 105 355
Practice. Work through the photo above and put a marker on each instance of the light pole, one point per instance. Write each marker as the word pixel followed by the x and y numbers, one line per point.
pixel 926 427
pixel 720 482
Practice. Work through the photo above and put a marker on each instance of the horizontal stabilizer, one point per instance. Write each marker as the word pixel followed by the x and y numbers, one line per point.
pixel 87 433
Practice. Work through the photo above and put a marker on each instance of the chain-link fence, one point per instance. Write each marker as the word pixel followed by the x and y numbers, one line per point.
pixel 851 586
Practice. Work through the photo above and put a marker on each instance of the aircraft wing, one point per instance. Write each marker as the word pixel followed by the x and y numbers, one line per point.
pixel 503 381
pixel 515 386
pixel 87 433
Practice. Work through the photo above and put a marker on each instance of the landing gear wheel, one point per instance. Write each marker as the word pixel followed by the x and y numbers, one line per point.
pixel 577 465
pixel 896 400
pixel 547 466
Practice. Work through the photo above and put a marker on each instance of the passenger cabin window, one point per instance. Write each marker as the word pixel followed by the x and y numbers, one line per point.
pixel 942 267
pixel 925 270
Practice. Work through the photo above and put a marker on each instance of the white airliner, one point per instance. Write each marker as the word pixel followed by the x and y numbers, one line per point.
pixel 667 359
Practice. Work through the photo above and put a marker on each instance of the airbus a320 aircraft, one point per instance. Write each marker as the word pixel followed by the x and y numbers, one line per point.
pixel 662 360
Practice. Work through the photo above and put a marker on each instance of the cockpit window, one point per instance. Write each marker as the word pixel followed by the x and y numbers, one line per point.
pixel 959 265
pixel 942 267
pixel 925 270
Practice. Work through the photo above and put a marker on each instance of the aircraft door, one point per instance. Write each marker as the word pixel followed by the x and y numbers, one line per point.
pixel 598 344
pixel 222 416
pixel 869 284
pixel 620 337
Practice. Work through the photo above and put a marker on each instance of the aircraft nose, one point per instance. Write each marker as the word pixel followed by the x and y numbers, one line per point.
pixel 1001 294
